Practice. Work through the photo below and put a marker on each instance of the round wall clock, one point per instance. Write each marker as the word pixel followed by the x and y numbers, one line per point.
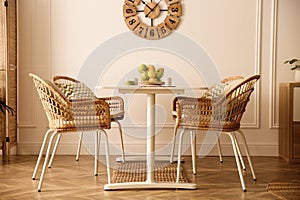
pixel 152 19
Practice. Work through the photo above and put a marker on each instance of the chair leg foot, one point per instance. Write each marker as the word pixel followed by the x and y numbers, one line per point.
pixel 179 156
pixel 39 190
pixel 54 150
pixel 193 150
pixel 219 149
pixel 173 145
pixel 46 160
pixel 41 153
pixel 79 146
pixel 247 153
pixel 237 158
pixel 245 190
pixel 121 140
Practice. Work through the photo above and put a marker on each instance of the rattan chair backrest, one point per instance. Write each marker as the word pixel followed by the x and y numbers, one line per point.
pixel 222 112
pixel 232 106
pixel 56 106
pixel 70 115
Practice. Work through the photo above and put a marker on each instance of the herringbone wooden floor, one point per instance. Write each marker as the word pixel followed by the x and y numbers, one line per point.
pixel 68 179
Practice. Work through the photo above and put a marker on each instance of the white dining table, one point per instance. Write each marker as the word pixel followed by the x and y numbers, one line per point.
pixel 150 92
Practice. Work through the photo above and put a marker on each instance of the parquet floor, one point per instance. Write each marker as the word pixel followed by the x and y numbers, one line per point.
pixel 68 179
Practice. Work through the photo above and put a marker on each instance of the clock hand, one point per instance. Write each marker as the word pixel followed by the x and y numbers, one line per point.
pixel 153 8
pixel 146 5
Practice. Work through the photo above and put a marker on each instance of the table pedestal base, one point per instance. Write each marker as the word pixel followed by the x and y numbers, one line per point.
pixel 149 185
pixel 143 158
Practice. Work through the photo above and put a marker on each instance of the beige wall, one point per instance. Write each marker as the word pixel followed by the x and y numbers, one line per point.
pixel 242 37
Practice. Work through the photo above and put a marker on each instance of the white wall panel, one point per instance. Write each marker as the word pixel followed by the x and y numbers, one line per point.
pixel 56 36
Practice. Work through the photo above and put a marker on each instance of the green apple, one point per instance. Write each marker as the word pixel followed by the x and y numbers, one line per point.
pixel 151 67
pixel 159 73
pixel 144 76
pixel 160 69
pixel 142 68
pixel 152 73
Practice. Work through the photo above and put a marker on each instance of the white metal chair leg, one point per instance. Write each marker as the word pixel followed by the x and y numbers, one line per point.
pixel 96 153
pixel 41 154
pixel 248 154
pixel 179 156
pixel 193 150
pixel 239 153
pixel 46 161
pixel 219 148
pixel 121 138
pixel 173 145
pixel 79 146
pixel 107 158
pixel 232 137
pixel 54 150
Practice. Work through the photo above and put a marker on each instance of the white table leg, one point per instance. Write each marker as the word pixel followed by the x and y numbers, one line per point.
pixel 150 137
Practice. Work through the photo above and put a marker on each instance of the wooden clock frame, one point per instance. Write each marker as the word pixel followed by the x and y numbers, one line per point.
pixel 152 10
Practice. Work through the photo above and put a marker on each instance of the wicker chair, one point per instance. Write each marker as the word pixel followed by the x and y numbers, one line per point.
pixel 74 89
pixel 219 114
pixel 70 116
pixel 215 90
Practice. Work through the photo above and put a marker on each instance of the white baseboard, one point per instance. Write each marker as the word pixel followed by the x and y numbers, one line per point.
pixel 139 149
pixel 13 151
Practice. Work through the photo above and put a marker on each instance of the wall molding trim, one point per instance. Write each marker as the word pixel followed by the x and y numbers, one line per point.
pixel 273 57
pixel 258 45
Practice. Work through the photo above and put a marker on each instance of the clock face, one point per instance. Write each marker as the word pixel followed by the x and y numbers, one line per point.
pixel 152 19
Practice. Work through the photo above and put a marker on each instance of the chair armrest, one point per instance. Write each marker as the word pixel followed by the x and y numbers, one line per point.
pixel 231 79
pixel 86 111
pixel 181 101
pixel 193 112
pixel 176 107
pixel 64 79
pixel 116 103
